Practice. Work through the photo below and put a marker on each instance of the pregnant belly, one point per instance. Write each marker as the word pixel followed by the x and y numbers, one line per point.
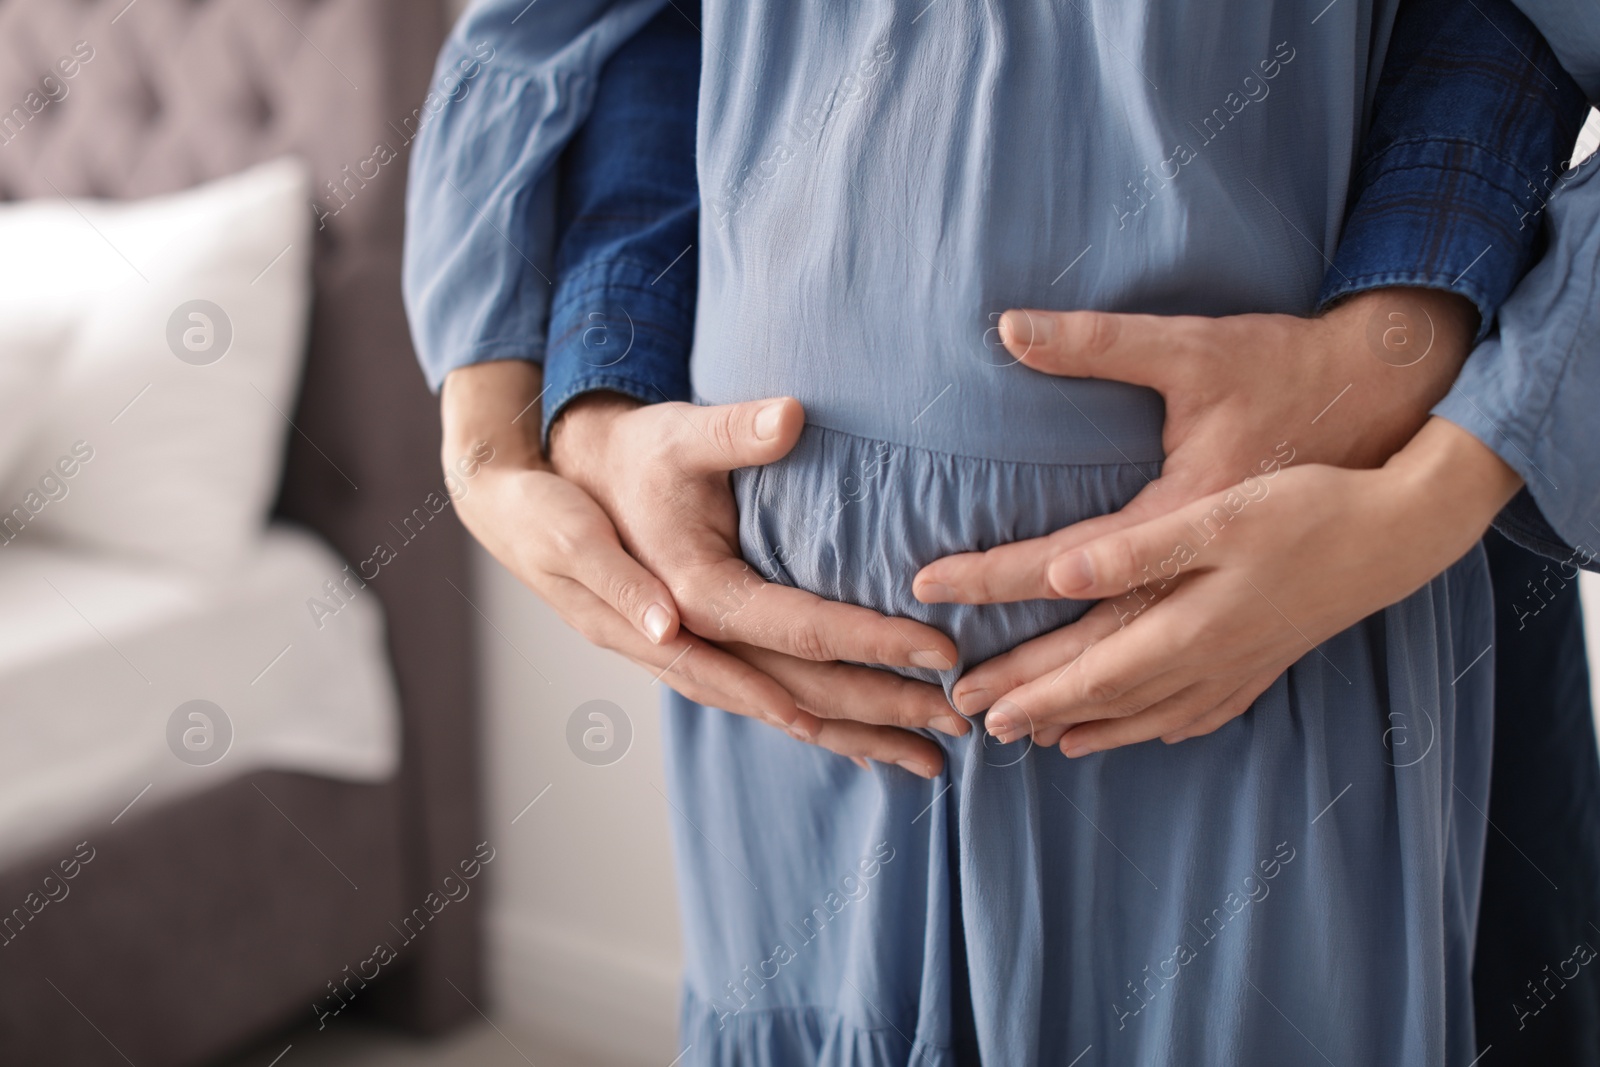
pixel 853 519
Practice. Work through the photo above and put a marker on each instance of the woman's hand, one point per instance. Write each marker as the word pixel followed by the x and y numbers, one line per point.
pixel 556 538
pixel 558 541
pixel 1214 601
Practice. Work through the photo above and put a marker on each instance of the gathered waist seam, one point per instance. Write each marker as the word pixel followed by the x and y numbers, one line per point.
pixel 1153 464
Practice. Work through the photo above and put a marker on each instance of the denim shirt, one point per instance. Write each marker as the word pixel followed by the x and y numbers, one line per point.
pixel 1471 112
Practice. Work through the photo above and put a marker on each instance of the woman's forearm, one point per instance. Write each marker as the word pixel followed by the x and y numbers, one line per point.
pixel 493 404
pixel 1449 487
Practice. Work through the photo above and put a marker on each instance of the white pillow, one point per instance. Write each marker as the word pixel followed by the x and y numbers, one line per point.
pixel 186 327
pixel 30 350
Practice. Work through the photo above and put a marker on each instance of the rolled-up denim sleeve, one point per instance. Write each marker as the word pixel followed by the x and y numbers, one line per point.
pixel 1471 126
pixel 1531 392
pixel 512 84
pixel 628 209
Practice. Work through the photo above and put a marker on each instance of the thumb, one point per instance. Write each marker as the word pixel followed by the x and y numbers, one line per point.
pixel 724 437
pixel 1139 349
pixel 1153 553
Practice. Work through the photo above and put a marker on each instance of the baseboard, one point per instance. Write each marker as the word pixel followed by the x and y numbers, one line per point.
pixel 612 1006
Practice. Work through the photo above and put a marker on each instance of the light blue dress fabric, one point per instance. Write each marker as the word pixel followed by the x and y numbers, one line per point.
pixel 1300 884
pixel 881 180
pixel 876 192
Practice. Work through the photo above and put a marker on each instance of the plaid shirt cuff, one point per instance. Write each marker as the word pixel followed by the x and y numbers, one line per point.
pixel 620 327
pixel 1438 215
pixel 1471 126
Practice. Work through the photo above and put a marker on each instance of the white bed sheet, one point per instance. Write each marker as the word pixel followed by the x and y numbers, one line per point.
pixel 96 655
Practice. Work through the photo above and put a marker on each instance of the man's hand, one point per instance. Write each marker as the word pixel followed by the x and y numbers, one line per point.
pixel 1245 396
pixel 660 472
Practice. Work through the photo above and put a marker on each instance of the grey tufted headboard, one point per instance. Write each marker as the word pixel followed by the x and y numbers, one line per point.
pixel 167 93
pixel 161 94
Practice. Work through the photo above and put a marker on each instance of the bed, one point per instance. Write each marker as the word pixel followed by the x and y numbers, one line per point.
pixel 208 910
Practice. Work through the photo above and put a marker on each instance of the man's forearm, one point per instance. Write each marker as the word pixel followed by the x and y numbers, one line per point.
pixel 574 435
pixel 1396 352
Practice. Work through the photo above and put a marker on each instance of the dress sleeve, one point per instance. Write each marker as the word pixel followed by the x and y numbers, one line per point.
pixel 1473 120
pixel 512 84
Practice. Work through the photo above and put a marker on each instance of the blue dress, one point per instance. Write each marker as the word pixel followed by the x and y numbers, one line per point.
pixel 1299 886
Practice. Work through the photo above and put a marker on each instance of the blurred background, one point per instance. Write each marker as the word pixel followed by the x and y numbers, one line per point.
pixel 290 771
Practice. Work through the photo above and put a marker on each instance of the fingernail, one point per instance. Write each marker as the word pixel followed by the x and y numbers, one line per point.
pixel 656 621
pixel 767 420
pixel 921 770
pixel 974 700
pixel 949 724
pixel 1004 722
pixel 934 593
pixel 859 762
pixel 931 659
pixel 1072 573
pixel 799 729
pixel 1079 750
pixel 1021 331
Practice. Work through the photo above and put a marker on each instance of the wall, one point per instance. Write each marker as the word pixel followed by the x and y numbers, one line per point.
pixel 583 924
